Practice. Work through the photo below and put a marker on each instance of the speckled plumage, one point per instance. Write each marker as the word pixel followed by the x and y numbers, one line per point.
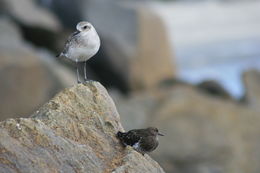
pixel 142 140
pixel 71 41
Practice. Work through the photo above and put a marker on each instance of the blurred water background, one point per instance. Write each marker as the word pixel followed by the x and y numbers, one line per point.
pixel 214 40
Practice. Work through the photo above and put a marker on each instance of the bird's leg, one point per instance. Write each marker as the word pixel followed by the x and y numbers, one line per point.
pixel 78 77
pixel 85 71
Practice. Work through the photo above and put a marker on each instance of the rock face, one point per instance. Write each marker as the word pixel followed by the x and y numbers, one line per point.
pixel 73 132
pixel 202 133
pixel 28 78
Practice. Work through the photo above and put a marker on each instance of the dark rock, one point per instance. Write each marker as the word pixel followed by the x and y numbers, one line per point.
pixel 213 88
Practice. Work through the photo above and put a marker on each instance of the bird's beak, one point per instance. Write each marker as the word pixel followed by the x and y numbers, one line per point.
pixel 160 134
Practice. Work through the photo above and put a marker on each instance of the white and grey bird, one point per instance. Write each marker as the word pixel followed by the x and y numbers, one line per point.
pixel 142 140
pixel 81 46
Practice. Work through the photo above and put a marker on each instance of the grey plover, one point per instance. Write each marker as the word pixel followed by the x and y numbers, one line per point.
pixel 81 46
pixel 142 140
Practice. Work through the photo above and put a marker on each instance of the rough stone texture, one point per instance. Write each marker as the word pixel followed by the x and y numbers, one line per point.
pixel 252 84
pixel 29 13
pixel 135 40
pixel 29 76
pixel 73 132
pixel 202 133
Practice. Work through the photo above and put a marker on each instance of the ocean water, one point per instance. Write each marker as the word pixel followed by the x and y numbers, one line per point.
pixel 213 40
pixel 224 62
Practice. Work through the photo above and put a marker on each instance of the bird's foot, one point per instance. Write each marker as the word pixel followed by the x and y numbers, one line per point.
pixel 88 81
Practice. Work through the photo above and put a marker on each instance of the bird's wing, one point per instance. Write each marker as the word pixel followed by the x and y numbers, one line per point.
pixel 150 143
pixel 73 38
pixel 132 138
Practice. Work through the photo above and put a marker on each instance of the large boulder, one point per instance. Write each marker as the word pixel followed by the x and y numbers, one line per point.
pixel 135 41
pixel 73 132
pixel 203 133
pixel 29 76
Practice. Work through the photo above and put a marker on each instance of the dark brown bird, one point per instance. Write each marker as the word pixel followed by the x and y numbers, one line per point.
pixel 142 140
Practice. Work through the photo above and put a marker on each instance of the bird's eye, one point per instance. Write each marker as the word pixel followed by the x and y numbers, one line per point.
pixel 85 27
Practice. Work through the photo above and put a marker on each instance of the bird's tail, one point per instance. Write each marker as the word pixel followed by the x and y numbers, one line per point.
pixel 60 55
pixel 120 134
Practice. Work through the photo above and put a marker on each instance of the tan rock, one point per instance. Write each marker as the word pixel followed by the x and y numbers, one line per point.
pixel 153 62
pixel 73 132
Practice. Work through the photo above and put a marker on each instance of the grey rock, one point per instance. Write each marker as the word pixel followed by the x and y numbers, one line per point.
pixel 29 13
pixel 213 88
pixel 29 76
pixel 135 109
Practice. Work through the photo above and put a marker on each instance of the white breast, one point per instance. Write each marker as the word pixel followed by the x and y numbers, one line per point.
pixel 87 48
pixel 136 145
